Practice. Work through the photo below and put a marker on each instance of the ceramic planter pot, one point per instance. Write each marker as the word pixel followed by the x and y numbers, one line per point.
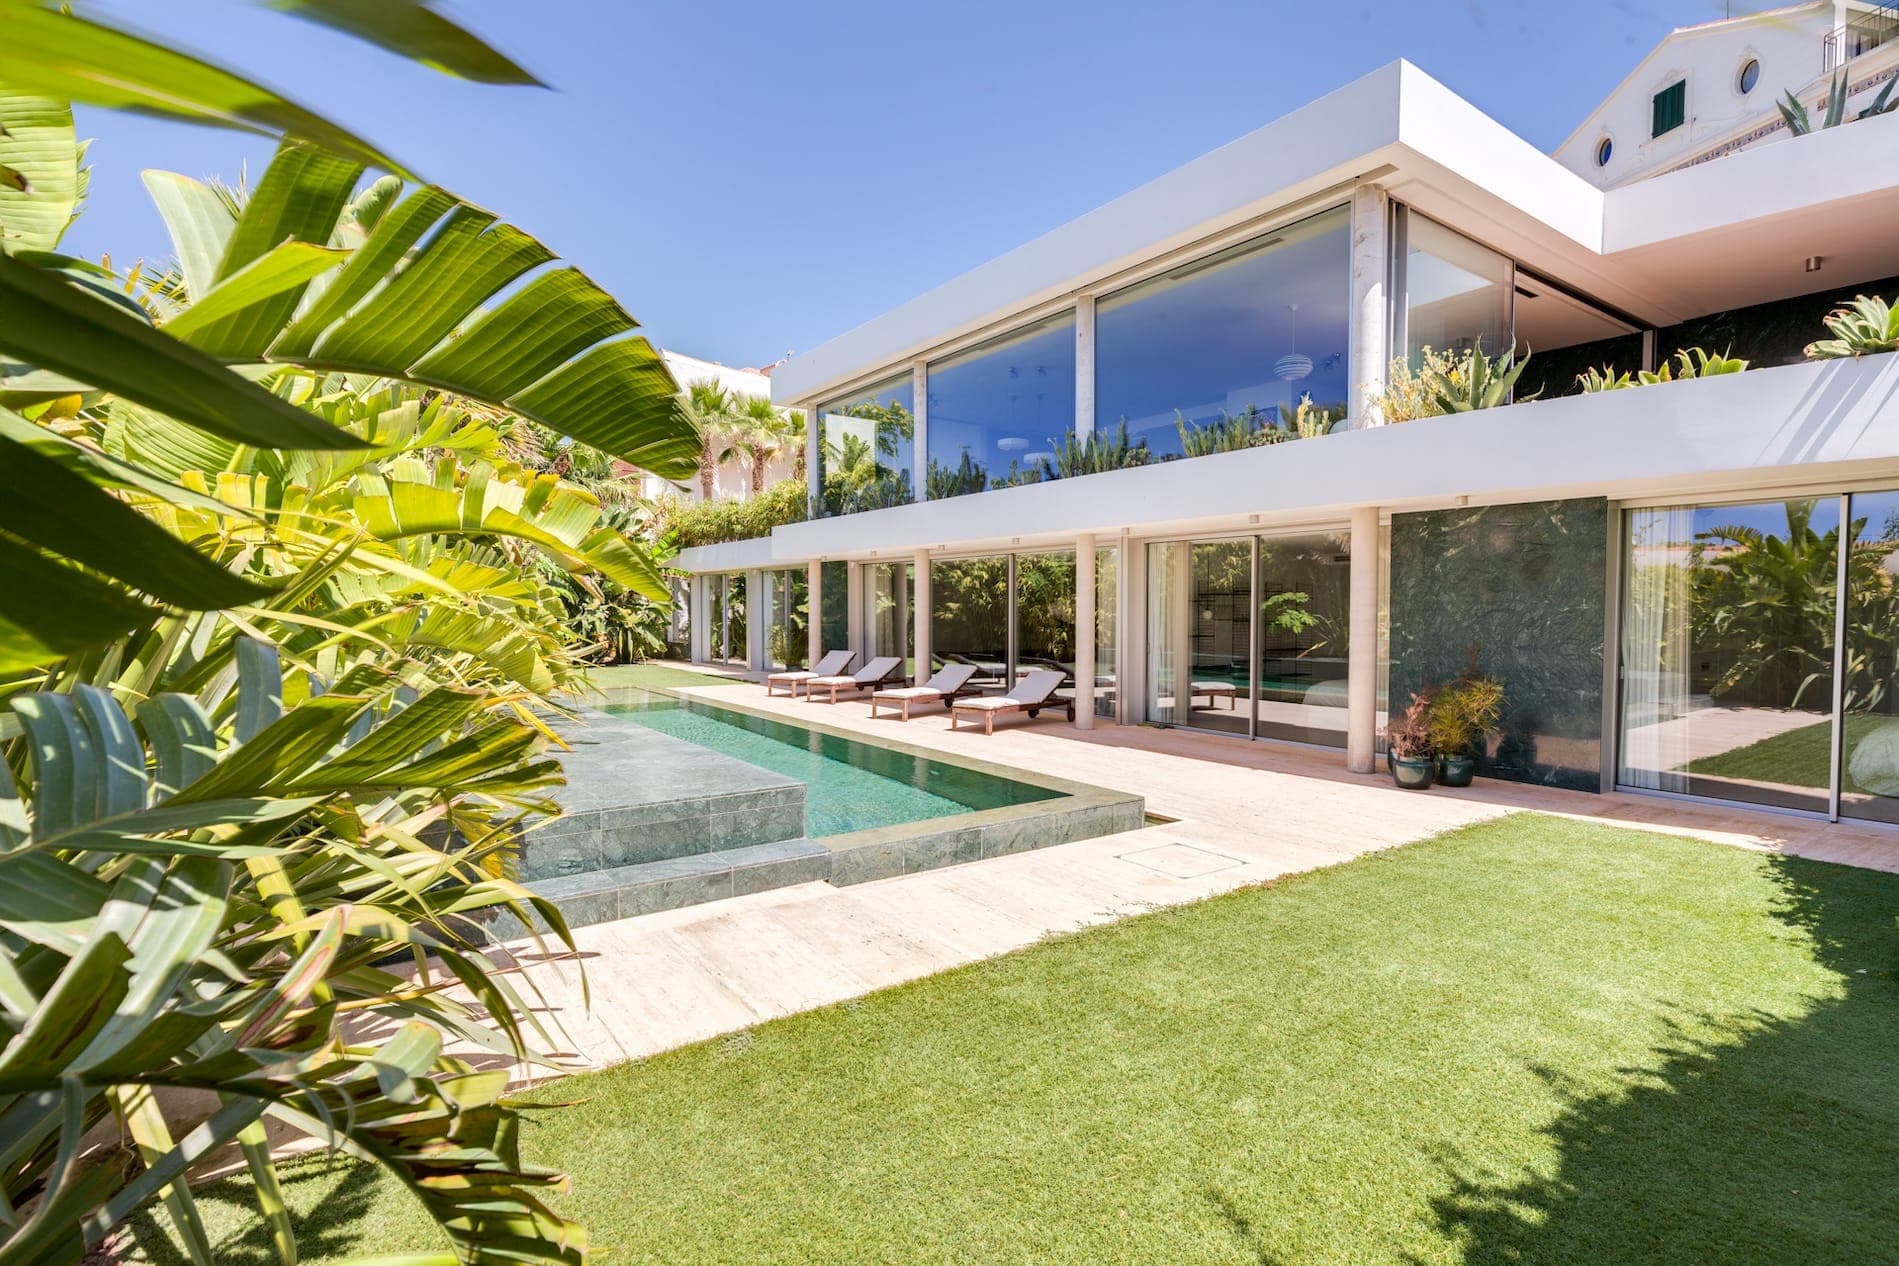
pixel 1412 775
pixel 1456 771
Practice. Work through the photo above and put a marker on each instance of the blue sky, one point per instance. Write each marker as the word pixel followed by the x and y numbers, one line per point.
pixel 752 179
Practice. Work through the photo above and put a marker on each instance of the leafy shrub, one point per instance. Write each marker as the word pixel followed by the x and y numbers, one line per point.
pixel 1464 711
pixel 714 522
pixel 1408 734
pixel 1408 395
pixel 1862 328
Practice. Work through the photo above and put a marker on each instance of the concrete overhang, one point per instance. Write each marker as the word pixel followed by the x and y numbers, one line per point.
pixel 1734 231
pixel 1823 422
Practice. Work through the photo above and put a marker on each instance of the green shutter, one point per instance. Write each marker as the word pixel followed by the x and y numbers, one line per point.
pixel 1671 108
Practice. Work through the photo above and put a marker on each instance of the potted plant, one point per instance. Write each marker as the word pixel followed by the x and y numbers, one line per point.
pixel 1461 715
pixel 1409 747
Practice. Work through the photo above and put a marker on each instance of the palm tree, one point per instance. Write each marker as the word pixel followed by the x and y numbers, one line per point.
pixel 761 431
pixel 711 408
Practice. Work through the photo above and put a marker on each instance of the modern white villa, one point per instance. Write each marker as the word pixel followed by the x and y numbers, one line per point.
pixel 1193 392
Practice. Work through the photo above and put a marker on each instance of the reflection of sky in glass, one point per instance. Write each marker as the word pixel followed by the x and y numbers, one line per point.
pixel 1211 338
pixel 1008 405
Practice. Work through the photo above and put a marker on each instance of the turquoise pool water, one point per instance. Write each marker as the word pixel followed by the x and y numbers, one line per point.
pixel 849 786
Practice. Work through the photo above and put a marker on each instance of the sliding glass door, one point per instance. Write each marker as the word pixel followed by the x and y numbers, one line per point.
pixel 1869 687
pixel 1729 626
pixel 890 611
pixel 1248 635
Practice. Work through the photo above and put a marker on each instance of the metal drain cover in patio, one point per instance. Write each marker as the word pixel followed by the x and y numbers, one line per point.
pixel 1181 861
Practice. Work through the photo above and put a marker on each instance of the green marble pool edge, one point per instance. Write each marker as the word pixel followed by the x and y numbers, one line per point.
pixel 1080 811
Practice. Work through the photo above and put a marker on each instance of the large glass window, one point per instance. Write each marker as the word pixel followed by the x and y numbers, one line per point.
pixel 1003 413
pixel 866 449
pixel 1869 699
pixel 725 629
pixel 1045 613
pixel 1209 354
pixel 891 612
pixel 834 596
pixel 1304 626
pixel 1107 611
pixel 1200 634
pixel 969 616
pixel 787 643
pixel 1250 635
pixel 1727 650
pixel 1452 293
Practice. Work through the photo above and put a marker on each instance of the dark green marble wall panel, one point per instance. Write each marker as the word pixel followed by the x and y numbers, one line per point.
pixel 1526 585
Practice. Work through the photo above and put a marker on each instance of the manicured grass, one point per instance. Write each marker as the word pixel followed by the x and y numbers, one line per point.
pixel 654 675
pixel 1796 758
pixel 1528 1041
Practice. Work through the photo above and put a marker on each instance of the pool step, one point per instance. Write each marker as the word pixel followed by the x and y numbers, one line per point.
pixel 620 892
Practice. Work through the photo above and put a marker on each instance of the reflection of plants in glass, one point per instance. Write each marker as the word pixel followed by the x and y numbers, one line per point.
pixel 1225 434
pixel 1692 362
pixel 1863 328
pixel 1102 451
pixel 964 478
pixel 1763 608
pixel 1307 420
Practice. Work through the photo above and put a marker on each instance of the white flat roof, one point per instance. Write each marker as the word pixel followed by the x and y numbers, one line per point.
pixel 1721 234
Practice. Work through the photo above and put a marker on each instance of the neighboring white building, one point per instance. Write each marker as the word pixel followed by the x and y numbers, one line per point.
pixel 1710 89
pixel 1285 590
pixel 733 479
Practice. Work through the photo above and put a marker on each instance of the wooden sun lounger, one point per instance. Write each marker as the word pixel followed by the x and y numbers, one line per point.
pixel 1033 693
pixel 833 664
pixel 949 682
pixel 872 675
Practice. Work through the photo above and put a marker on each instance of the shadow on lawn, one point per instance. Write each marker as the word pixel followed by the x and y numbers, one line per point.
pixel 1778 1146
pixel 348 1189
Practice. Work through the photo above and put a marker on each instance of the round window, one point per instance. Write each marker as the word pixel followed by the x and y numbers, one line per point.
pixel 1749 76
pixel 1605 149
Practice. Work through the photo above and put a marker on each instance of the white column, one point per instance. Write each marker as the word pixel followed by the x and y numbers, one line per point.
pixel 1370 314
pixel 1084 366
pixel 758 606
pixel 920 604
pixel 1361 693
pixel 856 628
pixel 1085 631
pixel 814 646
pixel 920 433
pixel 813 458
pixel 696 640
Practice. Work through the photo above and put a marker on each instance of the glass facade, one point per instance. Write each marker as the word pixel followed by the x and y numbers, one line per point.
pixel 1452 294
pixel 1249 635
pixel 1210 353
pixel 725 621
pixel 787 641
pixel 1107 628
pixel 866 449
pixel 1003 413
pixel 1727 641
pixel 834 596
pixel 1045 613
pixel 890 612
pixel 1869 696
pixel 969 617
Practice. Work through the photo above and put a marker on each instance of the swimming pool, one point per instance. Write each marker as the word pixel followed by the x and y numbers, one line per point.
pixel 849 786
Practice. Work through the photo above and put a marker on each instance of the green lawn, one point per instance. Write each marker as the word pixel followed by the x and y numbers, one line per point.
pixel 1795 758
pixel 1528 1041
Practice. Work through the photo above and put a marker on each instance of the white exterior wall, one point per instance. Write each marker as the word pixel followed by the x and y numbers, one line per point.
pixel 733 480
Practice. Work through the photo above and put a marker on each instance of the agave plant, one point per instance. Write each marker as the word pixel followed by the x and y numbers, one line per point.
pixel 1800 123
pixel 1693 362
pixel 1477 382
pixel 1862 328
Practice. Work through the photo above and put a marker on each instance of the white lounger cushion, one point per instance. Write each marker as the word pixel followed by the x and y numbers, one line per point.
pixel 990 703
pixel 910 692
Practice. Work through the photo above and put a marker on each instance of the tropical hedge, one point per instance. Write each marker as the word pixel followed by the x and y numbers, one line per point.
pixel 279 637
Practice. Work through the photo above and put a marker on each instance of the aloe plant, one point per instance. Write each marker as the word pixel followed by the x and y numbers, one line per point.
pixel 1478 382
pixel 1866 326
pixel 1693 362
